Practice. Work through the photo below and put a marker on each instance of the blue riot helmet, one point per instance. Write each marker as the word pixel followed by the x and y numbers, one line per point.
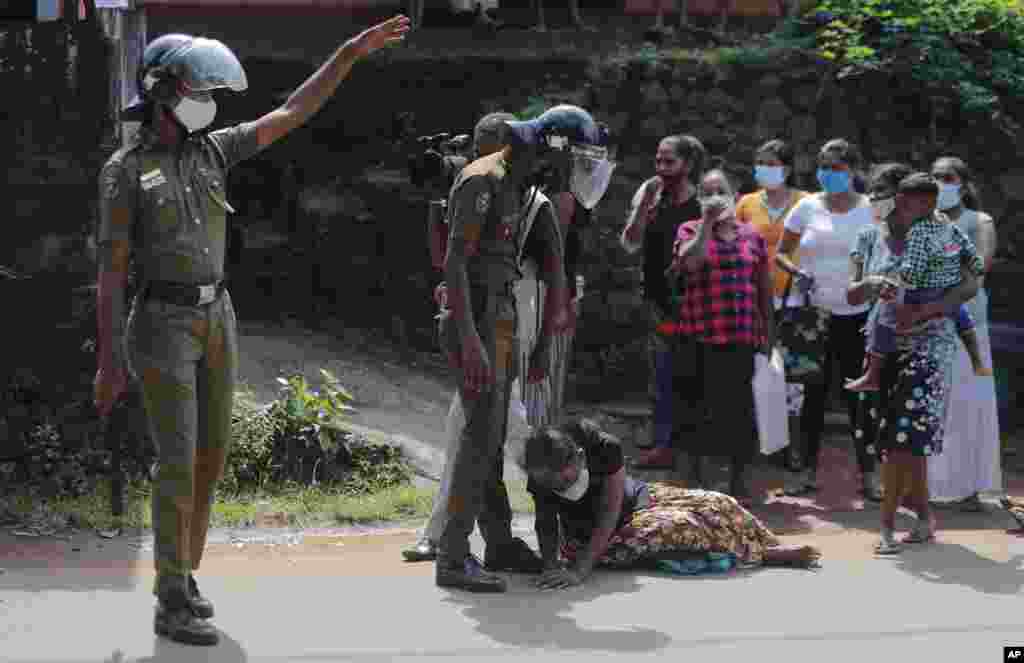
pixel 571 132
pixel 180 72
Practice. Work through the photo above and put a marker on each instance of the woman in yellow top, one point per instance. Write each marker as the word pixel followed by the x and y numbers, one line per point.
pixel 766 208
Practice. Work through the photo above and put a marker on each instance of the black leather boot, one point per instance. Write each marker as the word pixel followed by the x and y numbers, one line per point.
pixel 200 605
pixel 469 576
pixel 176 621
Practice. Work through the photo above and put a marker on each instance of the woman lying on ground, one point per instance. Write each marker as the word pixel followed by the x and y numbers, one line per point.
pixel 591 512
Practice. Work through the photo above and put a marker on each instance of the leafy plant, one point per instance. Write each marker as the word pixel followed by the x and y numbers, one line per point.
pixel 969 47
pixel 534 107
pixel 313 414
pixel 300 439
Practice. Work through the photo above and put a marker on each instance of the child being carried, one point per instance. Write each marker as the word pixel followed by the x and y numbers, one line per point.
pixel 936 249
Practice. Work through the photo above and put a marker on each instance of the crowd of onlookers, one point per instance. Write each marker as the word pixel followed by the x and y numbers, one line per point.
pixel 878 276
pixel 885 259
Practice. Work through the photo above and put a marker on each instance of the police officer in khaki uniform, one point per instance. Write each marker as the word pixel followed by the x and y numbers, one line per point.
pixel 163 212
pixel 486 218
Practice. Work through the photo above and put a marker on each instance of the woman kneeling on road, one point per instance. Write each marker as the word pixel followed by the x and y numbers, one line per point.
pixel 591 512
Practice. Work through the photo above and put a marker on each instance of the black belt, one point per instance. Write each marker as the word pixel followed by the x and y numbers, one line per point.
pixel 183 294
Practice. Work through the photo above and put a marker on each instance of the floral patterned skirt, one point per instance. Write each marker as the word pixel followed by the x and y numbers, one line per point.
pixel 909 411
pixel 677 523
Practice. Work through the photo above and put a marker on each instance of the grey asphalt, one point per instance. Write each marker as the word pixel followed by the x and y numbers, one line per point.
pixel 958 600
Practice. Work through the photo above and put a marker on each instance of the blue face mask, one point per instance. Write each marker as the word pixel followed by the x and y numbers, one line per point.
pixel 834 181
pixel 770 177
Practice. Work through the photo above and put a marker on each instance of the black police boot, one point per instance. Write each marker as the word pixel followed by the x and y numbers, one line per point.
pixel 514 557
pixel 468 576
pixel 175 621
pixel 200 605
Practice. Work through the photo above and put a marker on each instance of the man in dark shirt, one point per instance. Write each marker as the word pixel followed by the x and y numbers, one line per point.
pixel 660 206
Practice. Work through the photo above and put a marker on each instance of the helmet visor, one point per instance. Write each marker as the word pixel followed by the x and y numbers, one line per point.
pixel 591 174
pixel 207 64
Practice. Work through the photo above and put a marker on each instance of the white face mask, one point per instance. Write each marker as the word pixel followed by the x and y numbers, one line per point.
pixel 949 196
pixel 195 115
pixel 578 489
pixel 719 201
pixel 883 208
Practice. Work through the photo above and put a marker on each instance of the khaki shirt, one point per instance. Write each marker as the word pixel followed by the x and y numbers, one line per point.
pixel 178 225
pixel 487 214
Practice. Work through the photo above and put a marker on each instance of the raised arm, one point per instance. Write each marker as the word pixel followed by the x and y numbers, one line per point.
pixel 640 213
pixel 306 101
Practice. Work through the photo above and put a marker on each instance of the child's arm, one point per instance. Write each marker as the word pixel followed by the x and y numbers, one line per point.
pixel 969 256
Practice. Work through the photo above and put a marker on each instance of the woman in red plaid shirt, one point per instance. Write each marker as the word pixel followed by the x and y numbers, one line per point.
pixel 725 317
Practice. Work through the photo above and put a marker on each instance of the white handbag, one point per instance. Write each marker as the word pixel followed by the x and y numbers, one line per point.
pixel 770 402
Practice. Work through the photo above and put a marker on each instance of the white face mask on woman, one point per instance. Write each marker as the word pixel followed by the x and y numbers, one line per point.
pixel 578 489
pixel 720 201
pixel 884 207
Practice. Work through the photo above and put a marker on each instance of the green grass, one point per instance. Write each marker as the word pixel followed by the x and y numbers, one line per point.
pixel 304 507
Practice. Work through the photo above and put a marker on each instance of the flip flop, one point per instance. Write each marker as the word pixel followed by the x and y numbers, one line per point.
pixel 919 536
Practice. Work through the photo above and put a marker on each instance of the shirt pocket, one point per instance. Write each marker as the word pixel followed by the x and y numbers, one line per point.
pixel 161 211
pixel 216 194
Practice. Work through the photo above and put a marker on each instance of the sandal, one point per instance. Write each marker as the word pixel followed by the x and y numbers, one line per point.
pixel 888 545
pixel 920 534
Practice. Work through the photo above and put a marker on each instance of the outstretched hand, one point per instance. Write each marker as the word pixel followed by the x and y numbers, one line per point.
pixel 383 34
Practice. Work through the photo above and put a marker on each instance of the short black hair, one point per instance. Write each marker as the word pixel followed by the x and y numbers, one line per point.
pixel 919 183
pixel 847 152
pixel 553 448
pixel 780 149
pixel 887 177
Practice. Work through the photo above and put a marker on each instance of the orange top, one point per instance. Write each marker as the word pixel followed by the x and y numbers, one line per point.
pixel 751 209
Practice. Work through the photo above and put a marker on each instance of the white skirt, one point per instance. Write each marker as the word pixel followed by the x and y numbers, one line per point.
pixel 970 458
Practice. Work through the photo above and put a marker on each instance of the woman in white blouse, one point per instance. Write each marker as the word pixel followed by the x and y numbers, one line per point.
pixel 970 459
pixel 824 227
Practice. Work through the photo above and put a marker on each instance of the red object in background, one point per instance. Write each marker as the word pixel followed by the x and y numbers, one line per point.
pixel 770 8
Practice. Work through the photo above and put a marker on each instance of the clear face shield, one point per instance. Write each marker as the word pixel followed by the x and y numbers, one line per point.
pixel 591 174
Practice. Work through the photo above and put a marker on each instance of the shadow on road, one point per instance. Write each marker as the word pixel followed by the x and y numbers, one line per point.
pixel 227 650
pixel 541 620
pixel 954 564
